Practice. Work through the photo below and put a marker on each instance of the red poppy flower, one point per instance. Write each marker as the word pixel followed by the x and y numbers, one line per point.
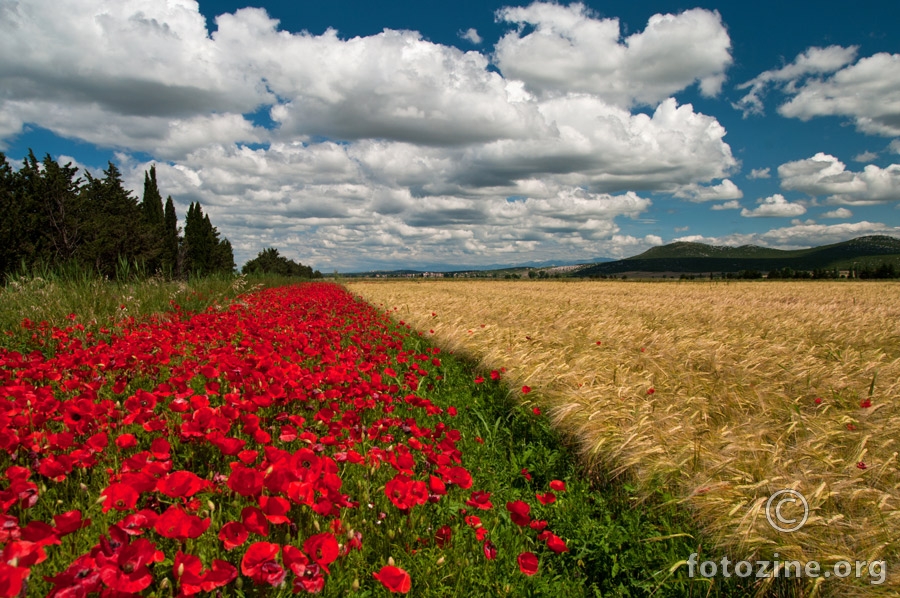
pixel 322 548
pixel 436 486
pixel 294 559
pixel 443 536
pixel 406 493
pixel 176 523
pixel 546 499
pixel 24 553
pixel 556 544
pixel 69 522
pixel 480 500
pixel 40 533
pixel 537 524
pixel 255 521
pixel 126 441
pixel 259 564
pixel 119 496
pixel 181 483
pixel 245 481
pixel 490 551
pixel 518 512
pixel 558 485
pixel 135 524
pixel 526 390
pixel 12 579
pixel 528 563
pixel 220 574
pixel 394 579
pixel 275 508
pixel 459 476
pixel 126 570
pixel 160 449
pixel 186 569
pixel 233 534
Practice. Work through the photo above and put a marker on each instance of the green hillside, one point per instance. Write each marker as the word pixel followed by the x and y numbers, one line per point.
pixel 698 258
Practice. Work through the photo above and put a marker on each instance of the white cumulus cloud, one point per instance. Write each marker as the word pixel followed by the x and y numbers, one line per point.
pixel 700 193
pixel 775 206
pixel 728 205
pixel 827 82
pixel 471 35
pixel 569 50
pixel 824 174
pixel 840 213
pixel 868 92
pixel 814 61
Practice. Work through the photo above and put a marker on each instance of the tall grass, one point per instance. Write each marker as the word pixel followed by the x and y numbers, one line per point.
pixel 74 296
pixel 722 393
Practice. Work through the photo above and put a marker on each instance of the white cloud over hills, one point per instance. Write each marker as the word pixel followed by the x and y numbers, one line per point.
pixel 825 175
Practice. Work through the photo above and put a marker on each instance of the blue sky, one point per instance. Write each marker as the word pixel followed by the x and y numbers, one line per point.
pixel 359 135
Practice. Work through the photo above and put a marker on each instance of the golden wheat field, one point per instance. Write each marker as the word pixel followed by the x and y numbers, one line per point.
pixel 722 392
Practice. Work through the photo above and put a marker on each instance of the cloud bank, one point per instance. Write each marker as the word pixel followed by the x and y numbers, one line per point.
pixel 364 151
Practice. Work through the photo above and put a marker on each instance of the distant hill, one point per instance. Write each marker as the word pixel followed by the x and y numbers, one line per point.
pixel 699 258
pixel 483 269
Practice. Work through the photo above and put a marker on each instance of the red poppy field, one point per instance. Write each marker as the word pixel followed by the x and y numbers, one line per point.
pixel 295 440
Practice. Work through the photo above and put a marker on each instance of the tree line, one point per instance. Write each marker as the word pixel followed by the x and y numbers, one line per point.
pixel 270 262
pixel 50 217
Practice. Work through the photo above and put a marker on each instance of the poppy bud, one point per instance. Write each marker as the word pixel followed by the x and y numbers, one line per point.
pixel 211 505
pixel 440 561
pixel 391 561
pixel 355 585
pixel 316 525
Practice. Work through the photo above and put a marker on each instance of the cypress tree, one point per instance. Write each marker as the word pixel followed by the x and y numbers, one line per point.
pixel 170 260
pixel 11 227
pixel 117 232
pixel 154 218
pixel 152 201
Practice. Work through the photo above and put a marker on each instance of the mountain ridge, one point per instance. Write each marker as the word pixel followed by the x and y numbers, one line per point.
pixel 697 258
